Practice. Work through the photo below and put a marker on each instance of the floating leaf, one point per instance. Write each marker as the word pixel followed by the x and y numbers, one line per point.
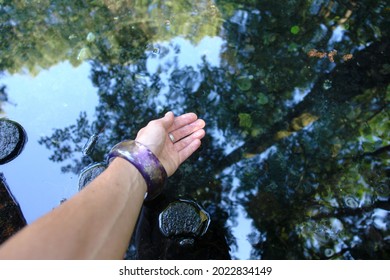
pixel 293 47
pixel 262 98
pixel 245 120
pixel 302 121
pixel 282 134
pixel 244 83
pixel 295 29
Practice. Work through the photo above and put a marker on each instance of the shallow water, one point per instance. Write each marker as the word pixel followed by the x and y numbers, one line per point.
pixel 295 95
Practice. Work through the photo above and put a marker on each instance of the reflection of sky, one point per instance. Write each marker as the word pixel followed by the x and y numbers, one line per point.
pixel 54 99
pixel 187 56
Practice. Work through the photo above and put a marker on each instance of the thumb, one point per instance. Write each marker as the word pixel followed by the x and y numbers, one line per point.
pixel 167 120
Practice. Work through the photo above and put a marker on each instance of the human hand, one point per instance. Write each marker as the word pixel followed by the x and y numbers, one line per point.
pixel 187 131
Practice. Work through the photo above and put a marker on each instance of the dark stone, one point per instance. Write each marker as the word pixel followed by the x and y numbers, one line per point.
pixel 11 216
pixel 184 218
pixel 90 173
pixel 187 236
pixel 13 138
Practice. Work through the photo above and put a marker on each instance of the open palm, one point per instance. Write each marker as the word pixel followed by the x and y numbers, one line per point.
pixel 186 131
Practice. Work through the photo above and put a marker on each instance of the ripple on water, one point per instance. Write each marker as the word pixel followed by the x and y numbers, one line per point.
pixel 328 252
pixel 351 202
pixel 382 190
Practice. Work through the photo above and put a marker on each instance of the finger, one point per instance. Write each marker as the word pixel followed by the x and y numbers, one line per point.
pixel 166 121
pixel 188 129
pixel 189 150
pixel 183 120
pixel 183 143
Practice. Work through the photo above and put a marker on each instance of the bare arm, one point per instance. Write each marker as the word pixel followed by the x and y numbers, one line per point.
pixel 97 223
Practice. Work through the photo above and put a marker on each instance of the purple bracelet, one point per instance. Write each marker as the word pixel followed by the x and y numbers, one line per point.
pixel 145 161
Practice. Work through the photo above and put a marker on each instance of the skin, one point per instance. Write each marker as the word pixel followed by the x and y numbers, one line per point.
pixel 97 222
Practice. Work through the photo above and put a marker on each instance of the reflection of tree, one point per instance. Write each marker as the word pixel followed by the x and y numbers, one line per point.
pixel 39 34
pixel 324 125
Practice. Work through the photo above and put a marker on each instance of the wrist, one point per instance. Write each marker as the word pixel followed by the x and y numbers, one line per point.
pixel 130 175
pixel 145 162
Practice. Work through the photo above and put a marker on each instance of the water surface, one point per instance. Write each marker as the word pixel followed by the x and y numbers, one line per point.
pixel 295 95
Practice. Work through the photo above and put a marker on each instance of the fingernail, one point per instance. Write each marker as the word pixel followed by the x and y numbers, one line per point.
pixel 167 113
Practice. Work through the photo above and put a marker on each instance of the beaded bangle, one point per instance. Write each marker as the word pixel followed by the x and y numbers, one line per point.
pixel 145 161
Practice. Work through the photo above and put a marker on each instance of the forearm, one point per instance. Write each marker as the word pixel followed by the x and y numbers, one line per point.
pixel 97 223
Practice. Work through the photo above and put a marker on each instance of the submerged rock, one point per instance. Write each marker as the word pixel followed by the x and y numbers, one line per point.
pixel 174 228
pixel 184 219
pixel 13 138
pixel 90 145
pixel 11 216
pixel 89 173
